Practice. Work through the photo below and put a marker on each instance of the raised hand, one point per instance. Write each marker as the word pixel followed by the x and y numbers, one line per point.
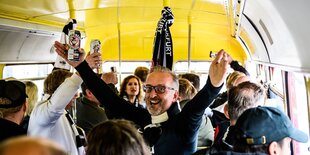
pixel 110 77
pixel 218 69
pixel 229 58
pixel 94 60
pixel 61 51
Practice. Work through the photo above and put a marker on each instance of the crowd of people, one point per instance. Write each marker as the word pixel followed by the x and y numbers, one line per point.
pixel 154 112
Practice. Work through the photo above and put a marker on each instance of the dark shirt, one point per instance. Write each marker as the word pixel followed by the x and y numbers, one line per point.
pixel 113 88
pixel 25 122
pixel 225 139
pixel 204 152
pixel 179 132
pixel 223 143
pixel 10 129
pixel 217 118
pixel 237 153
pixel 88 114
pixel 206 131
pixel 219 100
pixel 136 102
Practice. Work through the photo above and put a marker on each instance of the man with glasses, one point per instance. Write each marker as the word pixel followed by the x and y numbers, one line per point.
pixel 13 106
pixel 167 129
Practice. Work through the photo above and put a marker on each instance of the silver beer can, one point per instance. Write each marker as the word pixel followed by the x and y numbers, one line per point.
pixel 74 45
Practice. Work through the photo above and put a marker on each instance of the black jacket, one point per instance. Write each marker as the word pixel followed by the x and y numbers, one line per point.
pixel 178 134
pixel 237 153
pixel 10 129
pixel 204 152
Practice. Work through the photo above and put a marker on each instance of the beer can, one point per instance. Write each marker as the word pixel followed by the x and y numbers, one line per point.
pixel 95 46
pixel 74 45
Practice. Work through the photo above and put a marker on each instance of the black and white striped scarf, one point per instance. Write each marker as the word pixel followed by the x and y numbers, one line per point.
pixel 162 47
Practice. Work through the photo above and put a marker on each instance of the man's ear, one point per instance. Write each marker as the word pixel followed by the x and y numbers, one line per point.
pixel 25 107
pixel 273 148
pixel 226 110
pixel 88 92
pixel 175 96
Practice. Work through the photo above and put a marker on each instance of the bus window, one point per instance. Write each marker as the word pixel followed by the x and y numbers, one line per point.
pixel 127 68
pixel 277 81
pixel 263 76
pixel 251 67
pixel 27 71
pixel 33 72
pixel 200 68
pixel 298 110
pixel 275 89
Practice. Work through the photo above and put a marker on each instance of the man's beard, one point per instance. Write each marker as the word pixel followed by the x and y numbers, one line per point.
pixel 154 112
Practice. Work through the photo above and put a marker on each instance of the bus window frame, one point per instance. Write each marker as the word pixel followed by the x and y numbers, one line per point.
pixel 292 106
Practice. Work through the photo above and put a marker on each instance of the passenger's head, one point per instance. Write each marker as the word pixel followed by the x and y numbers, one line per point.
pixel 186 90
pixel 161 90
pixel 116 137
pixel 12 99
pixel 193 78
pixel 266 130
pixel 54 80
pixel 242 97
pixel 32 93
pixel 132 86
pixel 110 77
pixel 88 94
pixel 235 78
pixel 142 73
pixel 30 146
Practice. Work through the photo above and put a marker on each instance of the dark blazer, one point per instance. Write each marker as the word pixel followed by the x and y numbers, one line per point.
pixel 10 129
pixel 179 132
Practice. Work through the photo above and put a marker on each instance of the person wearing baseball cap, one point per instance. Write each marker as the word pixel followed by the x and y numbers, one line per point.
pixel 267 130
pixel 13 106
pixel 264 131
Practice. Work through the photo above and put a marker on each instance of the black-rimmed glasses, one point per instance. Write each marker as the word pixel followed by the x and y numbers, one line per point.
pixel 158 89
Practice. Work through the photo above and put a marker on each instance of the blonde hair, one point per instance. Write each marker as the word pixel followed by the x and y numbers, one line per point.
pixel 32 93
pixel 186 89
pixel 54 80
pixel 232 78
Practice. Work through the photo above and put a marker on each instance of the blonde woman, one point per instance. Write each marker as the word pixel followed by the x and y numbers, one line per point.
pixel 32 93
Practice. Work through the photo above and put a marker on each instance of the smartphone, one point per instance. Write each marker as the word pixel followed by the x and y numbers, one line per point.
pixel 74 45
pixel 212 54
pixel 95 46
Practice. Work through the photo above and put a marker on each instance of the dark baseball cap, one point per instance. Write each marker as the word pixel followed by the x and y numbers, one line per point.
pixel 263 125
pixel 13 90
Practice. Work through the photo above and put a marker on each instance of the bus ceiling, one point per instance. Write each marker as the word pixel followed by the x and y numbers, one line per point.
pixel 273 32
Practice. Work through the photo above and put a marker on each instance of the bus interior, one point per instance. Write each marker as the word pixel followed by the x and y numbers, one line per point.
pixel 270 38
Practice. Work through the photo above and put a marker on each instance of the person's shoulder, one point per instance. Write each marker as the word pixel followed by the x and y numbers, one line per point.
pixel 40 105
